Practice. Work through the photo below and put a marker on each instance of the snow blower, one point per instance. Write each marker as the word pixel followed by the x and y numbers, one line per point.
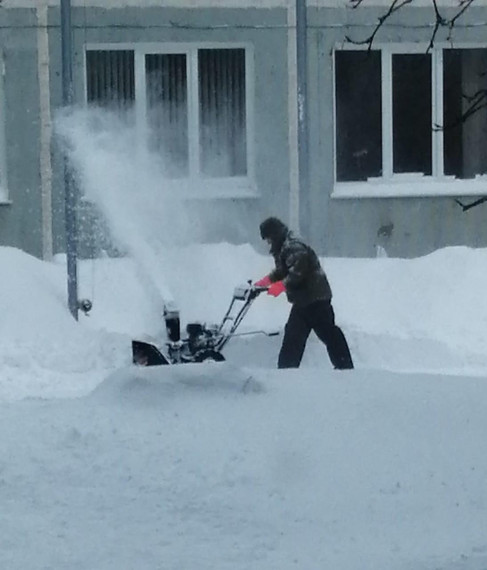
pixel 202 343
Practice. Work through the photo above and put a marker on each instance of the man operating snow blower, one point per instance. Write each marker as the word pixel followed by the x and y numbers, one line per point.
pixel 298 272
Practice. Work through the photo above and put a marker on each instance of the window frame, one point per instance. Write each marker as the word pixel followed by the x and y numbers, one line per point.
pixel 193 186
pixel 391 185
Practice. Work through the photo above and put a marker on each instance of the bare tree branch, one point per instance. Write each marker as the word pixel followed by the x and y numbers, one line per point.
pixel 464 6
pixel 395 6
pixel 466 207
pixel 475 103
pixel 356 3
pixel 439 22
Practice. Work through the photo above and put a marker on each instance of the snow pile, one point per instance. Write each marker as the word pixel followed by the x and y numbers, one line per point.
pixel 426 314
pixel 238 465
pixel 43 351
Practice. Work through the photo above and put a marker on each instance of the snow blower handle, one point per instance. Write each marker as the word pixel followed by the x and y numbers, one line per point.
pixel 247 292
pixel 256 290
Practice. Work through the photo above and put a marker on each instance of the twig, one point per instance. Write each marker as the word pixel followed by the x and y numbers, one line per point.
pixel 395 6
pixel 466 207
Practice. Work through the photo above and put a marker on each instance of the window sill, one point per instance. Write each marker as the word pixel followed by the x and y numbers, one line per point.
pixel 225 189
pixel 211 189
pixel 411 186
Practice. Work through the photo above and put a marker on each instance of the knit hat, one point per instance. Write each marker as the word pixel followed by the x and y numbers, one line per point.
pixel 273 229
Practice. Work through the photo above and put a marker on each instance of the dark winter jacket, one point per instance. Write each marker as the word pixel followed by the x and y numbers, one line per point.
pixel 297 265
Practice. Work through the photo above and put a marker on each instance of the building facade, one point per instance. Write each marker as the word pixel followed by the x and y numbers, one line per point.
pixel 212 87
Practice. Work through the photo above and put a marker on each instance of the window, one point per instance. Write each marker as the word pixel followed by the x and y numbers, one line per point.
pixel 401 115
pixel 464 85
pixel 411 113
pixel 358 115
pixel 193 104
pixel 110 80
pixel 221 88
pixel 167 110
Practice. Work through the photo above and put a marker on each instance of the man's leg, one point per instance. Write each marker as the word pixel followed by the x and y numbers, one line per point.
pixel 296 334
pixel 322 319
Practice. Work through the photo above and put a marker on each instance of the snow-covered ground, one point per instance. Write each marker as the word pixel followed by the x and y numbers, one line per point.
pixel 104 466
pixel 235 465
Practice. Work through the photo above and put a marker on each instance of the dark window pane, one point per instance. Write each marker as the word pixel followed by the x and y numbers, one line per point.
pixel 465 134
pixel 411 113
pixel 358 115
pixel 110 79
pixel 167 111
pixel 222 108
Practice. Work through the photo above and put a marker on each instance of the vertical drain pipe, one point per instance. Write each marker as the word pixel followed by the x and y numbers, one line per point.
pixel 293 118
pixel 69 183
pixel 45 129
pixel 302 104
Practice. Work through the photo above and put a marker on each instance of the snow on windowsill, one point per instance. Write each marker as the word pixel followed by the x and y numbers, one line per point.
pixel 411 186
pixel 184 192
pixel 211 188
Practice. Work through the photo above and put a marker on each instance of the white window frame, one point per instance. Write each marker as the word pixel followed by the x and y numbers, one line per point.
pixel 4 193
pixel 391 185
pixel 193 186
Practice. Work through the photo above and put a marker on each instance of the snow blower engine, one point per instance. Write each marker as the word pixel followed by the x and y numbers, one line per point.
pixel 202 342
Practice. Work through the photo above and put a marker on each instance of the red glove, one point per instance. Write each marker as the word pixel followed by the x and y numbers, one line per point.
pixel 276 289
pixel 264 282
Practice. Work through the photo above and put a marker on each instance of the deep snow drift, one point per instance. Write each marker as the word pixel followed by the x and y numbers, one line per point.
pixel 237 465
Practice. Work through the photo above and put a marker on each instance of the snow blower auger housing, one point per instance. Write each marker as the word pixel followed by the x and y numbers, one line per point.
pixel 202 342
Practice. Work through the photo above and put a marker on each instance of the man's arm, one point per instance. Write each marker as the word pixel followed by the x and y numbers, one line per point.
pixel 297 262
pixel 276 275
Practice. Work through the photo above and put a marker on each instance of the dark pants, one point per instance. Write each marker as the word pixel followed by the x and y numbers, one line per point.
pixel 320 318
